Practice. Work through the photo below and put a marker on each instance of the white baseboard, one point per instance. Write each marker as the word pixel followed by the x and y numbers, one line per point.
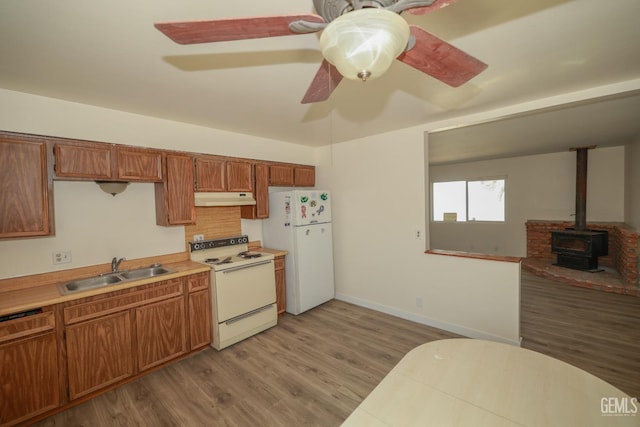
pixel 450 327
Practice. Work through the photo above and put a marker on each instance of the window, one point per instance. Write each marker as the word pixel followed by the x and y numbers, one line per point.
pixel 473 200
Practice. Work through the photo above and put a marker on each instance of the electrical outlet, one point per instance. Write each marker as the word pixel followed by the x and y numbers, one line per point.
pixel 198 237
pixel 61 257
pixel 418 234
pixel 418 302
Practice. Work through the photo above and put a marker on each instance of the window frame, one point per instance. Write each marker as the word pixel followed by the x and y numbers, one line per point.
pixel 466 186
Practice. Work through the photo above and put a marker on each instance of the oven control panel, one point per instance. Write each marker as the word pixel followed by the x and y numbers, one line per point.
pixel 218 243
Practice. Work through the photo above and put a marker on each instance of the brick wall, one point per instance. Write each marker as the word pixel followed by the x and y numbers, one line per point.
pixel 623 247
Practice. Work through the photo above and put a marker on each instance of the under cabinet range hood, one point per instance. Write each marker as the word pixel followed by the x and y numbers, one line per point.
pixel 224 199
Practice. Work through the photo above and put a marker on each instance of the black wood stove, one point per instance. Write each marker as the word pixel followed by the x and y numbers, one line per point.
pixel 577 247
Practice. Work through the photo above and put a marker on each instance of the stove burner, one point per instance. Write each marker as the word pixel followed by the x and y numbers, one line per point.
pixel 249 255
pixel 211 260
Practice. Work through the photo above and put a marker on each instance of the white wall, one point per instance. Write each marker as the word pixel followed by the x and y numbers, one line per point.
pixel 95 226
pixel 538 187
pixel 378 188
pixel 632 184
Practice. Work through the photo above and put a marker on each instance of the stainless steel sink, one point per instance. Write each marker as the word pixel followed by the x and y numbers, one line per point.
pixel 143 273
pixel 104 280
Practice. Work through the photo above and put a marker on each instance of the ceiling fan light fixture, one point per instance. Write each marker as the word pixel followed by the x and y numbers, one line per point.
pixel 363 43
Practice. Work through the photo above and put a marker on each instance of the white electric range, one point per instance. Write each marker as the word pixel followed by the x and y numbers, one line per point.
pixel 243 288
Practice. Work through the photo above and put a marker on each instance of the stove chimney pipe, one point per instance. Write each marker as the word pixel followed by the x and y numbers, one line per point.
pixel 581 187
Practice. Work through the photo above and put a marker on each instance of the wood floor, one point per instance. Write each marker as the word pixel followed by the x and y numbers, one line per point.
pixel 593 330
pixel 315 368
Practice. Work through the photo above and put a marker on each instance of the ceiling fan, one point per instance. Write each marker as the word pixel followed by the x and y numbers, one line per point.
pixel 419 49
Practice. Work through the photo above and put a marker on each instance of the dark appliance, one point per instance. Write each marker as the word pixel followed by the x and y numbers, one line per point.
pixel 577 247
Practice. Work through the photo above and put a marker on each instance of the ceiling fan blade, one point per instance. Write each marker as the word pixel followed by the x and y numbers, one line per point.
pixel 438 4
pixel 218 30
pixel 441 60
pixel 324 82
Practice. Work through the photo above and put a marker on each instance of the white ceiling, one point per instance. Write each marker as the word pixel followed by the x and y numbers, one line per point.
pixel 109 54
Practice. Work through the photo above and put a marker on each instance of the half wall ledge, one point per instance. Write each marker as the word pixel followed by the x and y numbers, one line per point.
pixel 475 255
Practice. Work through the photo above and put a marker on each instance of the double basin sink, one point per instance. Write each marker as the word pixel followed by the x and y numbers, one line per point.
pixel 109 279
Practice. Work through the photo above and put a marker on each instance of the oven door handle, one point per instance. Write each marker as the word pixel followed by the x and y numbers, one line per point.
pixel 242 267
pixel 249 314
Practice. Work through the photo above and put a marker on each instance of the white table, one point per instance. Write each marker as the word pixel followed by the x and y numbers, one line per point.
pixel 466 382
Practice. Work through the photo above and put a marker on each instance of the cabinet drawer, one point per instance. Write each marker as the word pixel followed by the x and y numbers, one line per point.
pixel 25 326
pixel 93 309
pixel 278 263
pixel 198 282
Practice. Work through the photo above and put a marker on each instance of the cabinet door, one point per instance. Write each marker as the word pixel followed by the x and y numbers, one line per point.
pixel 87 161
pixel 26 206
pixel 281 285
pixel 305 176
pixel 239 176
pixel 28 378
pixel 175 203
pixel 99 353
pixel 160 332
pixel 139 165
pixel 210 175
pixel 261 193
pixel 281 175
pixel 199 319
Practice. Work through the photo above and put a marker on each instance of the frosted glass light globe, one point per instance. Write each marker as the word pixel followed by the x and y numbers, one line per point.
pixel 362 44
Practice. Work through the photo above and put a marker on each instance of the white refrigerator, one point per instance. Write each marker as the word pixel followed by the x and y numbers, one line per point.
pixel 300 223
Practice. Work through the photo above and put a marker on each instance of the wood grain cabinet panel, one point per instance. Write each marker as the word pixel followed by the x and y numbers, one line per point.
pixel 84 161
pixel 139 165
pixel 161 332
pixel 26 202
pixel 199 319
pixel 239 176
pixel 99 353
pixel 305 176
pixel 281 175
pixel 198 282
pixel 210 174
pixel 281 284
pixel 106 162
pixel 291 175
pixel 260 193
pixel 29 381
pixel 175 199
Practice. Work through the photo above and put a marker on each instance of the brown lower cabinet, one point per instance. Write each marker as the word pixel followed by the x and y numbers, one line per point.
pixel 99 353
pixel 161 332
pixel 281 285
pixel 108 339
pixel 29 381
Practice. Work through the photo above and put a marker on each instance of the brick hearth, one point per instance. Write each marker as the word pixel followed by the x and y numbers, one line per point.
pixel 620 267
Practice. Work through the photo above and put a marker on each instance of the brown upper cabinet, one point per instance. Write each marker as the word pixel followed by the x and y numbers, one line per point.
pixel 260 192
pixel 287 175
pixel 26 198
pixel 175 204
pixel 100 161
pixel 281 175
pixel 220 174
pixel 210 174
pixel 239 176
pixel 305 176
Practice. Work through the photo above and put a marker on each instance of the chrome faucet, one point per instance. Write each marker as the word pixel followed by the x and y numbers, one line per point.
pixel 115 264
